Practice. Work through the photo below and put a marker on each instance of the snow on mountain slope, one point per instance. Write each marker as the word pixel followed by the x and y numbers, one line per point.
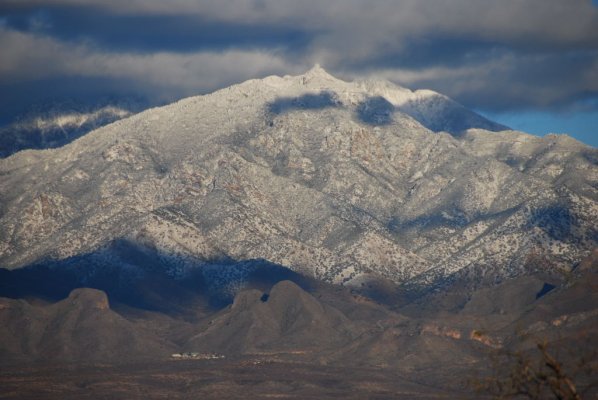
pixel 433 110
pixel 58 125
pixel 329 178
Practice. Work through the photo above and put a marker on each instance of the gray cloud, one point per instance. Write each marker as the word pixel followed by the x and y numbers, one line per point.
pixel 487 54
pixel 34 57
pixel 535 21
pixel 510 80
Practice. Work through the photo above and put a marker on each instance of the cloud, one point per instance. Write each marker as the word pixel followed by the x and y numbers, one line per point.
pixel 175 33
pixel 547 21
pixel 510 80
pixel 33 57
pixel 35 69
pixel 491 55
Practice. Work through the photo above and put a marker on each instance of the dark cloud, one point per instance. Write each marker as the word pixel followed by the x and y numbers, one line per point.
pixel 86 91
pixel 151 33
pixel 501 79
pixel 496 56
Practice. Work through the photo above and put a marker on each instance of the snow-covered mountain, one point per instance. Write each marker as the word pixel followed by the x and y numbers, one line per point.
pixel 343 181
pixel 56 124
pixel 433 110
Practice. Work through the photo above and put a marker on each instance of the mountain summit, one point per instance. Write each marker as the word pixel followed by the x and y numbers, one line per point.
pixel 343 181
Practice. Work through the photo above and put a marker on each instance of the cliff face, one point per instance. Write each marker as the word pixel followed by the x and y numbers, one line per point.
pixel 338 180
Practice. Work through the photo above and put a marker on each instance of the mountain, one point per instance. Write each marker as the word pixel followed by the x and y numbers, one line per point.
pixel 287 336
pixel 197 248
pixel 341 181
pixel 56 124
pixel 80 328
pixel 285 319
pixel 433 110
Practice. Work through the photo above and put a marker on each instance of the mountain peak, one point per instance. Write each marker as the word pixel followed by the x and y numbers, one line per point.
pixel 317 70
pixel 319 74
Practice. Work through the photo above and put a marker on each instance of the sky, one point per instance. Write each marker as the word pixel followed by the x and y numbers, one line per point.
pixel 529 64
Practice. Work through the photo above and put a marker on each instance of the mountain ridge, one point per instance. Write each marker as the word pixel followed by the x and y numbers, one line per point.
pixel 310 172
pixel 55 124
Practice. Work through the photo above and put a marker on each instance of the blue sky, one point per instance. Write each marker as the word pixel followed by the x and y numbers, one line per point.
pixel 532 65
pixel 581 125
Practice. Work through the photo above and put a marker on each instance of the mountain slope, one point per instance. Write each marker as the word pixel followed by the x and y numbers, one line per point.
pixel 80 328
pixel 285 319
pixel 57 124
pixel 433 110
pixel 326 177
